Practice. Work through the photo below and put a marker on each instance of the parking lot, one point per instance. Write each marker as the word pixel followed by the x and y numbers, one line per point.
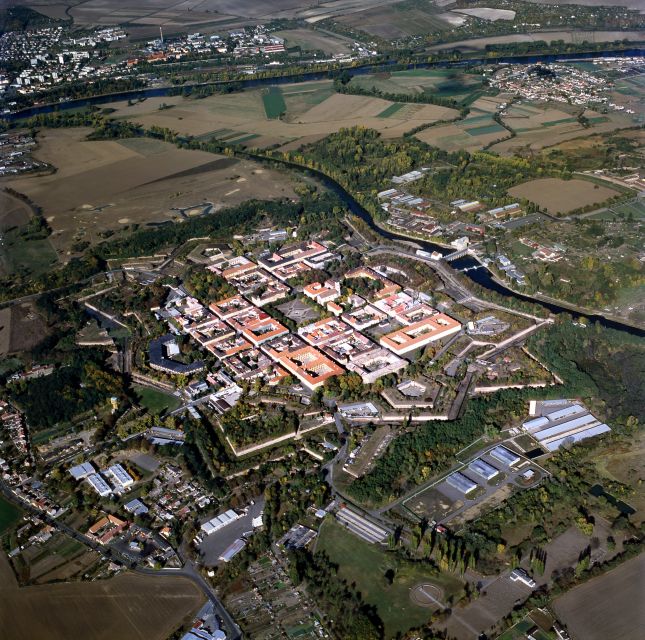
pixel 212 546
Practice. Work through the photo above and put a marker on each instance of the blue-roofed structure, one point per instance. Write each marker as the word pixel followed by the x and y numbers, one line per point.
pixel 483 469
pixel 505 456
pixel 566 412
pixel 576 437
pixel 460 482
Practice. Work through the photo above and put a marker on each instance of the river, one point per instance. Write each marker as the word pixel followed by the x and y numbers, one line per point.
pixel 307 76
pixel 482 276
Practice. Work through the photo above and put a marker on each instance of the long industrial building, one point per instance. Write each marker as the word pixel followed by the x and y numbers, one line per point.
pixel 460 482
pixel 483 469
pixel 569 424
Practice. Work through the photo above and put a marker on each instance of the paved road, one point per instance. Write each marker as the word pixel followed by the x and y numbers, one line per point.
pixel 189 570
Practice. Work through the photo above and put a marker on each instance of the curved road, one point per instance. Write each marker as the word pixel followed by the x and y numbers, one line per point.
pixel 189 570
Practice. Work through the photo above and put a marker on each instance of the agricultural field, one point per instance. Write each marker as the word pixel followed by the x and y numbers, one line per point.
pixel 573 36
pixel 609 606
pixel 538 126
pixel 127 606
pixel 367 564
pixel 562 196
pixel 476 131
pixel 102 187
pixel 312 40
pixel 313 110
pixel 442 83
pixel 391 21
pixel 60 558
pixel 21 328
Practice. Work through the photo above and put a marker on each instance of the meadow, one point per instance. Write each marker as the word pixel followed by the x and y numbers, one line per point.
pixel 9 515
pixel 366 565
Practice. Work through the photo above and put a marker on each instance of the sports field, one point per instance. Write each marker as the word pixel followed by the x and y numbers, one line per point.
pixel 156 401
pixel 561 196
pixel 366 565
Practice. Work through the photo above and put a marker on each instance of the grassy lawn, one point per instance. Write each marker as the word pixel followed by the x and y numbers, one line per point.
pixel 366 564
pixel 274 104
pixel 9 514
pixel 18 253
pixel 156 401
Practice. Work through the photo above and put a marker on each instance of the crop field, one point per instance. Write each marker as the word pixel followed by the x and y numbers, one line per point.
pixel 609 606
pixel 311 40
pixel 391 21
pixel 473 133
pixel 274 104
pixel 544 125
pixel 313 110
pixel 573 35
pixel 128 606
pixel 104 186
pixel 444 83
pixel 366 565
pixel 561 196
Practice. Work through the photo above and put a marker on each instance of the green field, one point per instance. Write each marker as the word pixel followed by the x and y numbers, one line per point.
pixel 9 515
pixel 18 254
pixel 156 401
pixel 391 110
pixel 485 130
pixel 444 83
pixel 274 104
pixel 366 564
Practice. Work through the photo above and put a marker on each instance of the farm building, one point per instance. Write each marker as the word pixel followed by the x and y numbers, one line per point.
pixel 505 456
pixel 567 425
pixel 483 469
pixel 460 482
pixel 219 522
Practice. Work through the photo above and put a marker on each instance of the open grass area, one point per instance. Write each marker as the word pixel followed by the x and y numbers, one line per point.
pixel 9 515
pixel 465 88
pixel 156 401
pixel 366 565
pixel 274 104
pixel 19 253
